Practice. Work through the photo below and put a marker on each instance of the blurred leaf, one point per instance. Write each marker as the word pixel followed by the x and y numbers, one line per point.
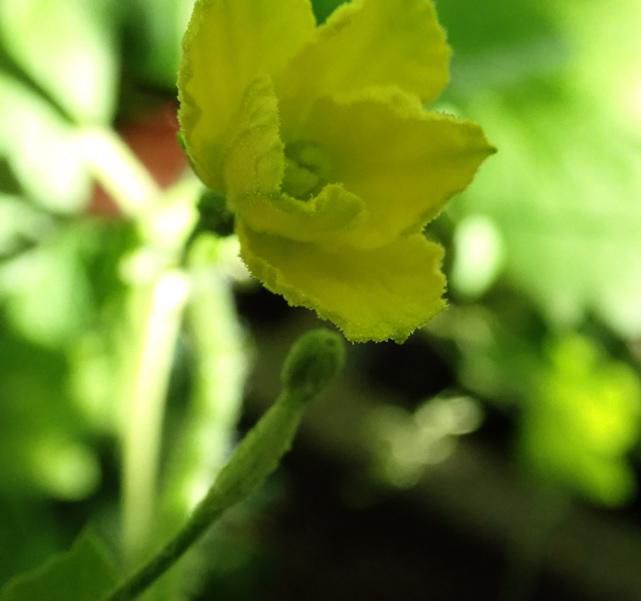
pixel 579 409
pixel 608 52
pixel 581 419
pixel 40 149
pixel 563 196
pixel 58 366
pixel 30 533
pixel 505 45
pixel 85 573
pixel 404 444
pixel 57 64
pixel 45 291
pixel 21 226
pixel 45 450
pixel 9 184
pixel 154 33
pixel 66 46
pixel 496 347
pixel 96 353
pixel 56 292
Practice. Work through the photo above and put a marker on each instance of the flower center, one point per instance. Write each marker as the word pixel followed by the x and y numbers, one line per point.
pixel 306 170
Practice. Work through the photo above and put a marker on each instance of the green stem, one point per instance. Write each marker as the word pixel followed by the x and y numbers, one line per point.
pixel 254 459
pixel 159 314
pixel 214 404
pixel 313 361
pixel 118 170
pixel 220 369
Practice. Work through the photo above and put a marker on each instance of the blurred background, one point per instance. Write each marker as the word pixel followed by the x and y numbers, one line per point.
pixel 494 456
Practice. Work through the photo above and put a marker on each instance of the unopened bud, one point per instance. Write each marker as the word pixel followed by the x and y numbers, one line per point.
pixel 312 363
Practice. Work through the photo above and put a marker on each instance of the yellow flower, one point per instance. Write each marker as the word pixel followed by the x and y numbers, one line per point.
pixel 318 139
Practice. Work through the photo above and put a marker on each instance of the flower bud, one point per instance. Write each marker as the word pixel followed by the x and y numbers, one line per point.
pixel 312 363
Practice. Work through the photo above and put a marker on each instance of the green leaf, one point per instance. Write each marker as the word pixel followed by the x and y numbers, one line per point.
pixel 506 45
pixel 84 573
pixel 21 225
pixel 579 408
pixel 153 33
pixel 581 420
pixel 67 47
pixel 563 203
pixel 55 265
pixel 9 183
pixel 40 149
pixel 45 452
pixel 560 200
pixel 57 65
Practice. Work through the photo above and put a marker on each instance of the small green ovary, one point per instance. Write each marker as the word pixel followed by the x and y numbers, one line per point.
pixel 307 169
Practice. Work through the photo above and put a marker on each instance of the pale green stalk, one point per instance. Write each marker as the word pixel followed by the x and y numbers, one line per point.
pixel 220 366
pixel 116 168
pixel 158 315
pixel 156 298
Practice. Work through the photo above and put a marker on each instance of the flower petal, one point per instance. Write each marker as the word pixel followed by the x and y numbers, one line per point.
pixel 329 217
pixel 253 174
pixel 403 161
pixel 368 43
pixel 254 162
pixel 371 295
pixel 227 45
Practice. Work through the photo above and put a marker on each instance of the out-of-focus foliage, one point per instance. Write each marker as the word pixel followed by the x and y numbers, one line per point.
pixel 84 573
pixel 59 279
pixel 38 146
pixel 153 33
pixel 57 298
pixel 44 448
pixel 557 217
pixel 581 418
pixel 561 199
pixel 66 48
pixel 58 67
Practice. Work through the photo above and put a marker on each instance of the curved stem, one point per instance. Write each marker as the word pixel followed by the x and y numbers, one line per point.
pixel 207 433
pixel 254 459
pixel 116 167
pixel 312 363
pixel 140 580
